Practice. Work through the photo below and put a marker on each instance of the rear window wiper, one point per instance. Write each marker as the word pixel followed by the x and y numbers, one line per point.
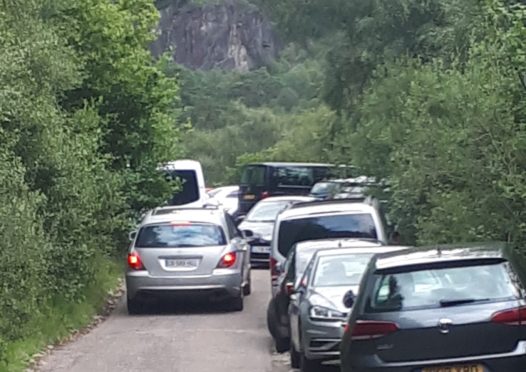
pixel 461 301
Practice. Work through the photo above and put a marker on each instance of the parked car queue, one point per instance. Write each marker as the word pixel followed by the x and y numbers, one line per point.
pixel 340 291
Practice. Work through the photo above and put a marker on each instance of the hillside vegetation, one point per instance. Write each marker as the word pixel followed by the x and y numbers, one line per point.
pixel 85 117
pixel 429 95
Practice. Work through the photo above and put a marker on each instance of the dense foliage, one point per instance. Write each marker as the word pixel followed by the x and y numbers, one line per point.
pixel 428 95
pixel 85 117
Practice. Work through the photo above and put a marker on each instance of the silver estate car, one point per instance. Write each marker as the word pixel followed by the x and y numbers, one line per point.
pixel 317 312
pixel 438 310
pixel 186 252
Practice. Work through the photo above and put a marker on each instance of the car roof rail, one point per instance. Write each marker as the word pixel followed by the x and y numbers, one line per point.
pixel 172 209
pixel 359 199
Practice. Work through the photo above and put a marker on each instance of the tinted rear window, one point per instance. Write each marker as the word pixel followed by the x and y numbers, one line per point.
pixel 180 236
pixel 254 175
pixel 443 287
pixel 325 227
pixel 189 191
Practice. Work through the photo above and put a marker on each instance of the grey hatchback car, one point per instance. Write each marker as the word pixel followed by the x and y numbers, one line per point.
pixel 188 252
pixel 316 311
pixel 443 309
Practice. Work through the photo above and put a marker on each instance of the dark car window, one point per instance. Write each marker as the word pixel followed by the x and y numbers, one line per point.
pixel 340 270
pixel 180 235
pixel 189 191
pixel 254 176
pixel 325 227
pixel 441 287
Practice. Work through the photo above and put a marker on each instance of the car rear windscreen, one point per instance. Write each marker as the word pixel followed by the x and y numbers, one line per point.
pixel 443 287
pixel 325 227
pixel 340 270
pixel 180 236
pixel 254 175
pixel 189 191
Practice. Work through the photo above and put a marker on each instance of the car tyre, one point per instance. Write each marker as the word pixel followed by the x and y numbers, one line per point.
pixel 135 307
pixel 282 344
pixel 237 303
pixel 247 289
pixel 307 365
pixel 294 357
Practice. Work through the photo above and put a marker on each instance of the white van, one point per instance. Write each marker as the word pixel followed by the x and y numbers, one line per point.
pixel 193 189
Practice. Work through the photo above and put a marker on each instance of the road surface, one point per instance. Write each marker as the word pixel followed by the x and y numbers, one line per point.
pixel 189 338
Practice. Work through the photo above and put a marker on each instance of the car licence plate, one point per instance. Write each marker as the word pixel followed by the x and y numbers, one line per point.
pixel 260 249
pixel 460 368
pixel 187 264
pixel 249 197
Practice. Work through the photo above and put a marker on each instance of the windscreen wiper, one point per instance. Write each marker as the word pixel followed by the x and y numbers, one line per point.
pixel 461 301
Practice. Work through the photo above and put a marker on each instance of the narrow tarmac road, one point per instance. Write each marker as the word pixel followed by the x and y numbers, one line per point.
pixel 187 338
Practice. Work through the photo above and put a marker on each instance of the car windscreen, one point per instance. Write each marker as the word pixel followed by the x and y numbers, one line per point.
pixel 266 211
pixel 322 188
pixel 180 235
pixel 340 270
pixel 189 189
pixel 254 175
pixel 358 225
pixel 443 287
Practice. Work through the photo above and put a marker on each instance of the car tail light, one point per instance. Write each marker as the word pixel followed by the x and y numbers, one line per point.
pixel 265 194
pixel 227 261
pixel 134 261
pixel 274 272
pixel 368 330
pixel 515 316
pixel 289 287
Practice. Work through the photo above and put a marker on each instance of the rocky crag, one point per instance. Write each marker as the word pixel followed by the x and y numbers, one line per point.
pixel 230 34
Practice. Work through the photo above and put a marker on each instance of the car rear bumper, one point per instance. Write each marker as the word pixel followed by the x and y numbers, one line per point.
pixel 321 340
pixel 141 283
pixel 514 361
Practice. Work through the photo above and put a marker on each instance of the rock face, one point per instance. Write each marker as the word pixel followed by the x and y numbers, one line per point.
pixel 231 35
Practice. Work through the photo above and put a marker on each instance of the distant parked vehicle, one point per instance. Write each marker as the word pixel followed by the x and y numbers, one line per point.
pixel 317 309
pixel 440 309
pixel 184 252
pixel 193 189
pixel 293 269
pixel 259 223
pixel 326 189
pixel 227 197
pixel 261 180
pixel 324 220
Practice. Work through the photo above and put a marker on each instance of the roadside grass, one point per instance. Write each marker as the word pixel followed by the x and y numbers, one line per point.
pixel 60 318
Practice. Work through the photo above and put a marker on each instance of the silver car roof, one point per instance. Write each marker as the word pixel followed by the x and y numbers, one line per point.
pixel 170 214
pixel 337 243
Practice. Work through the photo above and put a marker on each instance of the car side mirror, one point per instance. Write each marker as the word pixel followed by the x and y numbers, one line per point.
pixel 132 235
pixel 248 233
pixel 349 299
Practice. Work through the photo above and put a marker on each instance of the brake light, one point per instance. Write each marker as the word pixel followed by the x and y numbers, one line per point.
pixel 265 194
pixel 368 330
pixel 227 261
pixel 289 287
pixel 274 273
pixel 134 261
pixel 515 316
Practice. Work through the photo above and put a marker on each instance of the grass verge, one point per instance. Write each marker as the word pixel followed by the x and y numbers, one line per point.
pixel 60 318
